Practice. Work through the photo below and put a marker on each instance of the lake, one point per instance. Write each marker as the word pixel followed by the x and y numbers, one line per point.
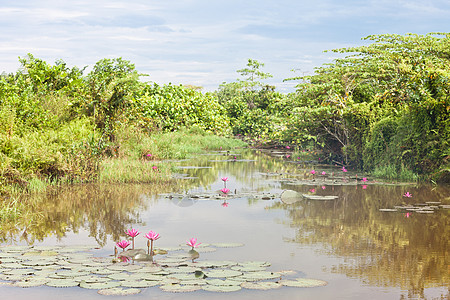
pixel 358 250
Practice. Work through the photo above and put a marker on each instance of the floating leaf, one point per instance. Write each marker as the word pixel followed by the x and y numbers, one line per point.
pixel 222 273
pixel 221 288
pixel 215 264
pixel 255 264
pixel 118 292
pixel 249 268
pixel 30 283
pixel 99 285
pixel 178 288
pixel 62 283
pixel 221 282
pixel 139 283
pixel 265 285
pixel 303 282
pixel 257 276
pixel 319 198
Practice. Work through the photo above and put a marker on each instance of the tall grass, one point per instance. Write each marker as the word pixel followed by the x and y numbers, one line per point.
pixel 140 156
pixel 391 172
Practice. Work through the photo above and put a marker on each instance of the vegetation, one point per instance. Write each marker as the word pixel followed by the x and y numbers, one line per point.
pixel 383 109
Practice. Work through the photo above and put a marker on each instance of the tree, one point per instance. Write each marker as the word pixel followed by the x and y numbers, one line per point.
pixel 252 74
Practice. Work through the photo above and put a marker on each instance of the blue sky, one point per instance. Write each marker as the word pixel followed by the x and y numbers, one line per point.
pixel 204 42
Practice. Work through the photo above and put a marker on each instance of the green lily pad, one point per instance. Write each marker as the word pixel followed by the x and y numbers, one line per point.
pixel 139 283
pixel 19 272
pixel 99 285
pixel 223 273
pixel 14 277
pixel 303 282
pixel 255 264
pixel 319 198
pixel 222 282
pixel 30 283
pixel 118 292
pixel 249 268
pixel 183 269
pixel 119 276
pixel 183 276
pixel 258 276
pixel 214 264
pixel 178 288
pixel 221 288
pixel 263 285
pixel 62 283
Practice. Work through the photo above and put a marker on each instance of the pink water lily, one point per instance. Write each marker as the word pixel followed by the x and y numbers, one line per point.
pixel 323 187
pixel 364 179
pixel 132 233
pixel 407 194
pixel 193 243
pixel 224 179
pixel 324 173
pixel 155 168
pixel 152 236
pixel 287 147
pixel 344 169
pixel 225 190
pixel 313 172
pixel 312 190
pixel 123 244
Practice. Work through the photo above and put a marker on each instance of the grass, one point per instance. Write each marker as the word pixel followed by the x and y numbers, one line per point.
pixel 140 155
pixel 392 173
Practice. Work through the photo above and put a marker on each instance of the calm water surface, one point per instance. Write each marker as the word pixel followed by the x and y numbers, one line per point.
pixel 361 252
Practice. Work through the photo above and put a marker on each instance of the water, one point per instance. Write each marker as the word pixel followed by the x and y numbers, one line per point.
pixel 360 251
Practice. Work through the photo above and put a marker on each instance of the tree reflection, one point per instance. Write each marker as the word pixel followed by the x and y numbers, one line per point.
pixel 103 210
pixel 385 249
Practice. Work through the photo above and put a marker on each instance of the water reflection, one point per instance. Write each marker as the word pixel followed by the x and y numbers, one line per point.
pixel 408 250
pixel 405 250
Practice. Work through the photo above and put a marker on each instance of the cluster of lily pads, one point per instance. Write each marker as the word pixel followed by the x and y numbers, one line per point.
pixel 421 208
pixel 174 271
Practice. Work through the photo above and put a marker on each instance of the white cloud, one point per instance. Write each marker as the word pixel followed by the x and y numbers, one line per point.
pixel 203 42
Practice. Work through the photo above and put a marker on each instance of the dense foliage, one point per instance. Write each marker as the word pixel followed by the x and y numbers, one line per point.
pixel 384 108
pixel 57 123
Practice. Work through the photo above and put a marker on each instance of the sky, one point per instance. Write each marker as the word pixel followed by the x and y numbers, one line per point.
pixel 204 42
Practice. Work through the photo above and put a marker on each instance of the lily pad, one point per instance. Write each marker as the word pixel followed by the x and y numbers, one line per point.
pixel 258 276
pixel 319 198
pixel 303 282
pixel 223 273
pixel 138 283
pixel 222 288
pixel 30 283
pixel 215 264
pixel 118 292
pixel 62 283
pixel 222 282
pixel 99 285
pixel 178 288
pixel 263 285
